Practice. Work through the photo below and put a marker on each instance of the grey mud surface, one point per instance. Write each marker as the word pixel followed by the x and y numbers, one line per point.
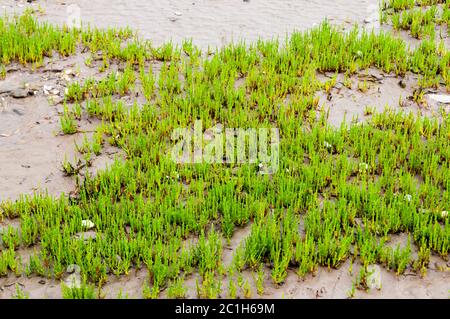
pixel 32 147
pixel 207 22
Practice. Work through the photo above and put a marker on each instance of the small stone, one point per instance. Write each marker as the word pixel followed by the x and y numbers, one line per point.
pixel 177 13
pixel 66 78
pixel 35 87
pixel 20 93
pixel 402 84
pixel 374 277
pixel 87 224
pixel 444 214
pixel 441 98
pixel 327 145
pixel 408 197
pixel 339 85
pixel 55 99
pixel 47 88
pixel 42 282
pixel 376 76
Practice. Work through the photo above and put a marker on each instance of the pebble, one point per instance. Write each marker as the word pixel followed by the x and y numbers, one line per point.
pixel 20 93
pixel 87 224
pixel 441 98
pixel 376 76
pixel 67 75
pixel 55 99
pixel 47 89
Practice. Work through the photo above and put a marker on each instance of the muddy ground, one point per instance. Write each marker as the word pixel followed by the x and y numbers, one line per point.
pixel 207 22
pixel 32 147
